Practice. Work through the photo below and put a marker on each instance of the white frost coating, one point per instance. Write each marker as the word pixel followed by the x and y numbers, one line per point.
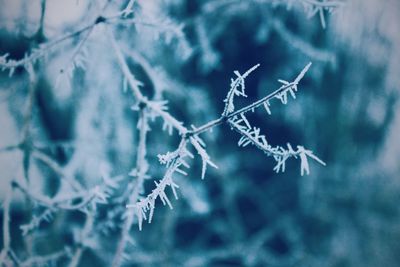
pixel 252 135
pixel 237 89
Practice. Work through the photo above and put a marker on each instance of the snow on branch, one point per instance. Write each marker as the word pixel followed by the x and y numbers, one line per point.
pixel 281 94
pixel 67 200
pixel 252 135
pixel 170 122
pixel 128 8
pixel 229 112
pixel 135 187
pixel 46 260
pixel 167 26
pixel 144 208
pixel 301 45
pixel 312 7
pixel 9 64
pixel 46 215
pixel 157 107
pixel 173 161
pixel 237 89
pixel 199 145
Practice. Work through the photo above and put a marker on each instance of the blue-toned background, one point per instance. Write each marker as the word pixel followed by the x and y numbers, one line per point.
pixel 75 111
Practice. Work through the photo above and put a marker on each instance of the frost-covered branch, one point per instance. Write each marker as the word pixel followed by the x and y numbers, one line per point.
pixel 237 89
pixel 128 8
pixel 311 7
pixel 164 26
pixel 238 122
pixel 11 64
pixel 251 135
pixel 28 147
pixel 87 228
pixel 100 115
pixel 157 107
pixel 77 60
pixel 139 174
pixel 156 79
pixel 46 215
pixel 66 201
pixel 54 166
pixel 173 161
pixel 281 93
pixel 199 146
pixel 7 63
pixel 44 260
pixel 304 47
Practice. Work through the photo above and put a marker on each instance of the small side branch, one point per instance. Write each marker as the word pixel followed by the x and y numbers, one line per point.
pixel 87 228
pixel 11 64
pixel 140 174
pixel 45 259
pixel 279 93
pixel 134 84
pixel 173 161
pixel 65 201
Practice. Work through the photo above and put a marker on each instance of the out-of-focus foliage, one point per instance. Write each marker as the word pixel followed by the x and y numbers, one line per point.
pixel 97 103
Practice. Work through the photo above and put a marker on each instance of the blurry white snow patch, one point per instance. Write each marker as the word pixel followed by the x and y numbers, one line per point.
pixel 369 27
pixel 59 12
pixel 11 13
pixel 376 110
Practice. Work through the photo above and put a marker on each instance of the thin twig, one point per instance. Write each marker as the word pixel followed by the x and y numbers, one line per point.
pixel 87 228
pixel 222 119
pixel 44 260
pixel 140 173
pixel 134 85
pixel 12 64
pixel 60 201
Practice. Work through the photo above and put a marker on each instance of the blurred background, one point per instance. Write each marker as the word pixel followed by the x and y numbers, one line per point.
pixel 69 115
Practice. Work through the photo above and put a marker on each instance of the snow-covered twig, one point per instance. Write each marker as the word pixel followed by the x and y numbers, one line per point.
pixel 139 174
pixel 279 153
pixel 237 89
pixel 302 46
pixel 46 215
pixel 10 64
pixel 280 93
pixel 44 260
pixel 87 228
pixel 134 84
pixel 312 7
pixel 66 201
pixel 250 134
pixel 173 160
pixel 199 145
